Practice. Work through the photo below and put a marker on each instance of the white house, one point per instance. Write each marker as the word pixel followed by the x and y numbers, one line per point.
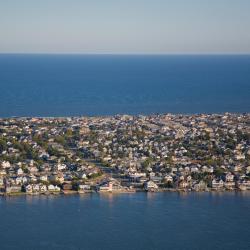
pixel 168 178
pixel 19 171
pixel 28 189
pixel 150 186
pixel 43 188
pixel 217 184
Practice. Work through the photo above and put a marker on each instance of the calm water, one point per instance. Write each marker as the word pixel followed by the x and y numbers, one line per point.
pixel 67 85
pixel 127 221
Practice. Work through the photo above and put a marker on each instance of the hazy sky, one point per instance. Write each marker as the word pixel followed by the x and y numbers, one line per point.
pixel 125 26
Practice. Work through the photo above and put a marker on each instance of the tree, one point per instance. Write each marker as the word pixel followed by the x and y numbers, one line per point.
pixel 219 172
pixel 3 145
pixel 75 185
pixel 147 163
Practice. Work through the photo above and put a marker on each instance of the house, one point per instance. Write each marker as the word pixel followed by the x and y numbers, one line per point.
pixel 105 187
pixel 35 188
pixel 19 171
pixel 116 185
pixel 60 167
pixel 43 188
pixel 244 185
pixel 247 169
pixel 150 186
pixel 229 177
pixel 43 178
pixel 136 175
pixel 57 177
pixel 24 179
pixel 19 180
pixel 84 187
pixel 33 169
pixel 236 168
pixel 53 188
pixel 217 184
pixel 200 186
pixel 111 185
pixel 28 189
pixel 67 186
pixel 33 178
pixel 156 179
pixel 82 175
pixel 13 189
pixel 6 164
pixel 240 156
pixel 168 178
pixel 57 189
pixel 229 185
pixel 183 184
pixel 3 172
pixel 181 177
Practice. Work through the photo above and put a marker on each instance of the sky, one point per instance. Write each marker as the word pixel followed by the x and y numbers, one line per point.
pixel 125 26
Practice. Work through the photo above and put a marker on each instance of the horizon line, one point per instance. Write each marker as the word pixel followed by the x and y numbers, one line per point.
pixel 129 54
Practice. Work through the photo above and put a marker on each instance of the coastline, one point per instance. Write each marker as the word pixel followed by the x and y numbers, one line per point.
pixel 73 192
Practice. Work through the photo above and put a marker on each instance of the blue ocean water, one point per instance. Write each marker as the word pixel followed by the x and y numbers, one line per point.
pixel 153 221
pixel 67 85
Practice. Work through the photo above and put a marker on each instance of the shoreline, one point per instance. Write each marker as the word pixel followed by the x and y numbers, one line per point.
pixel 73 192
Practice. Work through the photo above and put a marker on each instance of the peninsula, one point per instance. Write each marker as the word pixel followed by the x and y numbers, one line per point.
pixel 125 153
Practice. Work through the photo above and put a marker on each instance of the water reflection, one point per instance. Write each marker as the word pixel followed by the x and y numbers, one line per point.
pixel 151 196
pixel 110 198
pixel 85 196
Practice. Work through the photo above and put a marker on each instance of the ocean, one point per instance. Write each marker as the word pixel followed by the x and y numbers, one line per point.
pixel 141 221
pixel 74 85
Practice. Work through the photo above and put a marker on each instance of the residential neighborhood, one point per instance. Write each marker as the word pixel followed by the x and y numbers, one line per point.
pixel 124 153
